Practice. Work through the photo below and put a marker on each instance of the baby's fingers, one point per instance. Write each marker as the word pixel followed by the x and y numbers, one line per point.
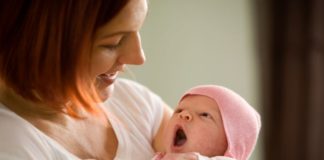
pixel 158 156
pixel 180 156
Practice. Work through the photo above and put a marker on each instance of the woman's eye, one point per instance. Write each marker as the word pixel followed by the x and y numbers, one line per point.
pixel 112 47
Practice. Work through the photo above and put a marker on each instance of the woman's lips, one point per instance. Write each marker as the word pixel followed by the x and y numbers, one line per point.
pixel 104 80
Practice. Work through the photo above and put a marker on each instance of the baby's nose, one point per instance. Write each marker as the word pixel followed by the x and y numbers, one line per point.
pixel 185 115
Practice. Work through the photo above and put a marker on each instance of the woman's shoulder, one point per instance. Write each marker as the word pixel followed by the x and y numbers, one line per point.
pixel 18 138
pixel 13 127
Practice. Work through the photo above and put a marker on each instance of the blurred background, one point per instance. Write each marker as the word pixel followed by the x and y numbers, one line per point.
pixel 269 51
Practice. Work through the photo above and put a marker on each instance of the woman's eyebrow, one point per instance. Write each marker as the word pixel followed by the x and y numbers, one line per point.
pixel 115 34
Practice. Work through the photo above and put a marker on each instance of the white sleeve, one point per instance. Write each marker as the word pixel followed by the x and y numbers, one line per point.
pixel 138 114
pixel 201 157
pixel 145 105
pixel 156 111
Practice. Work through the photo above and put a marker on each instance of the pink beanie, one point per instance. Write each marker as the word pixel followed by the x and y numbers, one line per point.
pixel 241 121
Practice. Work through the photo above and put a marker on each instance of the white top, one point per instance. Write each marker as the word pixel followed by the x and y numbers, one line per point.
pixel 134 112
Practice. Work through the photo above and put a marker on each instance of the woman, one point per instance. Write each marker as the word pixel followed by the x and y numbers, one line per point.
pixel 59 92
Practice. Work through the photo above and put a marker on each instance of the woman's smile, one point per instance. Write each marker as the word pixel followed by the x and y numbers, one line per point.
pixel 106 79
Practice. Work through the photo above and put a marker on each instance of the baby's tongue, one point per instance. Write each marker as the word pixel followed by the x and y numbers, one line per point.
pixel 180 138
pixel 180 142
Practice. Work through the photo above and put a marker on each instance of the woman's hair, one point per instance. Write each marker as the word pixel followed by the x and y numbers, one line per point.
pixel 45 47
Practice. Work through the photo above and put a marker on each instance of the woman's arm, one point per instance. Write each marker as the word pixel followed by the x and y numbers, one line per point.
pixel 158 139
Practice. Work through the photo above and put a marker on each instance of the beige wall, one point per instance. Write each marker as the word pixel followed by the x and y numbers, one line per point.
pixel 191 42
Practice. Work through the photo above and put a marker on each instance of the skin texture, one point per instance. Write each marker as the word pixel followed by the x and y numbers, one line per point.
pixel 116 44
pixel 201 121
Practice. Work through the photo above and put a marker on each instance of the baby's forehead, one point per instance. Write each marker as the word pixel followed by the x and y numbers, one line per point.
pixel 197 101
pixel 197 97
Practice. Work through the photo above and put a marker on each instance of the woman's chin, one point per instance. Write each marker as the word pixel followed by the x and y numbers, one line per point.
pixel 104 94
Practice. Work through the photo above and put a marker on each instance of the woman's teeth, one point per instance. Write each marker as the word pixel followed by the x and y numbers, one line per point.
pixel 106 79
pixel 109 75
pixel 112 75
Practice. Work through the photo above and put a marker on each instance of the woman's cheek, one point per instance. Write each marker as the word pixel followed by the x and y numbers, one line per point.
pixel 101 63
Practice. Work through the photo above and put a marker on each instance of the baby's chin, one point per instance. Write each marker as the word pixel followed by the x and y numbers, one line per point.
pixel 178 148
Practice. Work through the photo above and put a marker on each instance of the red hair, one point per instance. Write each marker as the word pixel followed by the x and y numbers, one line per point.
pixel 45 47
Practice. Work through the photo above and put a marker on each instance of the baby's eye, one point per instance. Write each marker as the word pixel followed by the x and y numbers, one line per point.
pixel 178 110
pixel 205 114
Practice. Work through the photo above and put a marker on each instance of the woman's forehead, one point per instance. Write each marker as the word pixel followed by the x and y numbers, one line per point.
pixel 129 19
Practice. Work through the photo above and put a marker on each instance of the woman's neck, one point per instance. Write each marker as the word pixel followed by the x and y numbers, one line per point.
pixel 26 108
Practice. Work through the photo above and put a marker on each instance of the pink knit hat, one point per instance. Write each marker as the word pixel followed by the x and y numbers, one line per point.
pixel 241 121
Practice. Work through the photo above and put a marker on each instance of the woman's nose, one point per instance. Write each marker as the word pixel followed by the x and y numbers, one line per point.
pixel 132 52
pixel 185 115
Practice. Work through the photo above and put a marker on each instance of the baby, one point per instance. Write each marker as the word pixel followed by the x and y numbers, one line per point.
pixel 213 122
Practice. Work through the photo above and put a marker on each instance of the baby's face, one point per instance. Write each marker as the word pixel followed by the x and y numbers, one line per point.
pixel 196 126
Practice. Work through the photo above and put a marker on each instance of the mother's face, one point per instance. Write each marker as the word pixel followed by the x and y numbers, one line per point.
pixel 117 43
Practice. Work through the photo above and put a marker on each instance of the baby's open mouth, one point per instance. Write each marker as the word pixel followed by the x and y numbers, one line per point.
pixel 180 138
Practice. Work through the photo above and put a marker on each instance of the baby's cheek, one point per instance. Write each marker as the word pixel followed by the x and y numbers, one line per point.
pixel 207 148
pixel 168 137
pixel 209 142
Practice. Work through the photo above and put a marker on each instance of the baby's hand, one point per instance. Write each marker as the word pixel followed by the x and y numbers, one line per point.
pixel 158 156
pixel 176 156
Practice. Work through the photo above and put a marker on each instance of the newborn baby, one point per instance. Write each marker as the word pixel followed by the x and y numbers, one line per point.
pixel 211 122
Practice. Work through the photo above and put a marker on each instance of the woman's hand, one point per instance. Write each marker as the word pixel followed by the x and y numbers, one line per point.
pixel 176 156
